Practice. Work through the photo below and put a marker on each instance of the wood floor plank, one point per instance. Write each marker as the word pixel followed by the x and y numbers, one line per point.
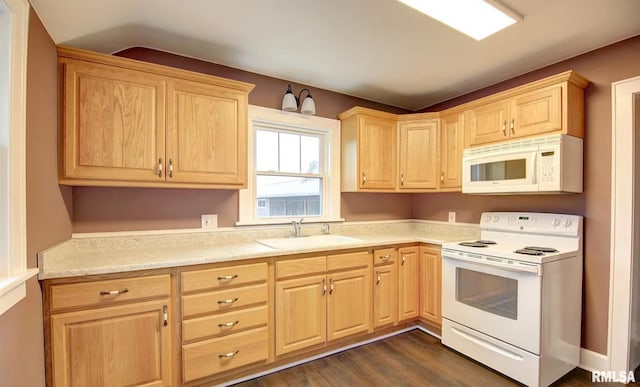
pixel 409 359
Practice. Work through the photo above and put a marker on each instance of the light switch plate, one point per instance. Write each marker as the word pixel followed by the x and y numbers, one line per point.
pixel 452 217
pixel 210 221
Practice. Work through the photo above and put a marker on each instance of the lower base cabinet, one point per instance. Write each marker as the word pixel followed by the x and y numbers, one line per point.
pixel 431 284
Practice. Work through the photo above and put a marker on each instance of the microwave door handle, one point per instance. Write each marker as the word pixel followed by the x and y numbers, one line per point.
pixel 534 172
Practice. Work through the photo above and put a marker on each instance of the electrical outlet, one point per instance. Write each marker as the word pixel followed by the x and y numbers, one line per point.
pixel 210 221
pixel 452 217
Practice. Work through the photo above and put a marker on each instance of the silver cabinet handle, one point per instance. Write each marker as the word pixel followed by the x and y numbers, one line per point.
pixel 403 259
pixel 378 279
pixel 402 179
pixel 442 177
pixel 324 287
pixel 165 315
pixel 364 178
pixel 331 286
pixel 113 292
pixel 160 167
pixel 227 277
pixel 385 257
pixel 227 302
pixel 228 355
pixel 229 324
pixel 504 128
pixel 513 126
pixel 170 167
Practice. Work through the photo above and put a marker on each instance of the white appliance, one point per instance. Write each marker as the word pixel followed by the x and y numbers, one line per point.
pixel 547 164
pixel 513 299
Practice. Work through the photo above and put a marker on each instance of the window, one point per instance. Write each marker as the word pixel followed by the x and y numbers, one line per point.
pixel 14 25
pixel 294 168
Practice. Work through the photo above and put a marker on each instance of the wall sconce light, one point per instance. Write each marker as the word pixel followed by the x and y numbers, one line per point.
pixel 290 102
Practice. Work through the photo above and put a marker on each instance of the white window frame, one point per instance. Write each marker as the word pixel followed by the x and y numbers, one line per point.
pixel 328 128
pixel 14 29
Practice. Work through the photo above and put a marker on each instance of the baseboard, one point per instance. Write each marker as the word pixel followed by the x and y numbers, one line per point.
pixel 593 361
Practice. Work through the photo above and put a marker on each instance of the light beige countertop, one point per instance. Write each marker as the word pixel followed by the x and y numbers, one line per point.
pixel 88 254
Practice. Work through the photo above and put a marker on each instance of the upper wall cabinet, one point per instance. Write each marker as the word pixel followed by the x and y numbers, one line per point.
pixel 368 150
pixel 418 153
pixel 130 123
pixel 451 144
pixel 554 104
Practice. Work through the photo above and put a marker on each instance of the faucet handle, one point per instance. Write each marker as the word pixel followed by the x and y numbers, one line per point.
pixel 300 221
pixel 326 228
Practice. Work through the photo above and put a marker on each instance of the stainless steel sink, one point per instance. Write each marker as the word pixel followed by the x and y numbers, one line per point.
pixel 308 242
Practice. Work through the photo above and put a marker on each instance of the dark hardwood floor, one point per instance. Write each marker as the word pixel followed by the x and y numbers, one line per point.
pixel 409 359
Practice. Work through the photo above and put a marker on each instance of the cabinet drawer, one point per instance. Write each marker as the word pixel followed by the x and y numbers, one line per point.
pixel 223 300
pixel 225 323
pixel 384 256
pixel 209 357
pixel 107 292
pixel 301 266
pixel 223 277
pixel 348 261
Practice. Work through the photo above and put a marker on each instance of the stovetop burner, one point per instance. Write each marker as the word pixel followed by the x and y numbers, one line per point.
pixel 542 249
pixel 486 242
pixel 473 244
pixel 529 252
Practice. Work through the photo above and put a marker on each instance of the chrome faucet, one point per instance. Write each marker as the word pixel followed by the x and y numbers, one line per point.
pixel 326 228
pixel 296 227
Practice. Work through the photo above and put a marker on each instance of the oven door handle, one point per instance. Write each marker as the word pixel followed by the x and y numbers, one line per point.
pixel 533 269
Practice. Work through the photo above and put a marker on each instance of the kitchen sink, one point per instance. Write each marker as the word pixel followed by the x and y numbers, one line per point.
pixel 308 242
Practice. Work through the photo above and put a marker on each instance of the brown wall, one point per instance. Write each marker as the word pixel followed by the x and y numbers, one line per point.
pixel 48 215
pixel 115 209
pixel 601 67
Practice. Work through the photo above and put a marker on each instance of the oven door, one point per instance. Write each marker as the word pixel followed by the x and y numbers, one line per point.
pixel 500 171
pixel 498 302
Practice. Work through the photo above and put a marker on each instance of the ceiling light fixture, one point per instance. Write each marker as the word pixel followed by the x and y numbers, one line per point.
pixel 290 102
pixel 476 18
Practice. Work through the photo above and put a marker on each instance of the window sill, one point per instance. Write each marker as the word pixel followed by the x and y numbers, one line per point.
pixel 13 288
pixel 283 221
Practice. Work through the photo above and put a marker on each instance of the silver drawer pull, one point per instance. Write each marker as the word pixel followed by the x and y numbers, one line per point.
pixel 228 355
pixel 227 277
pixel 385 257
pixel 229 324
pixel 113 292
pixel 227 302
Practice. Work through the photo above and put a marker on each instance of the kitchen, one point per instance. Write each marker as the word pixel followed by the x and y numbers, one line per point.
pixel 54 212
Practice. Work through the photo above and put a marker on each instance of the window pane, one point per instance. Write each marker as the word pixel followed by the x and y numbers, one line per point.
pixel 310 154
pixel 279 196
pixel 289 153
pixel 266 150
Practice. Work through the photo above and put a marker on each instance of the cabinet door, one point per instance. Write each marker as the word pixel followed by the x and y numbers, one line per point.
pixel 419 154
pixel 385 295
pixel 536 112
pixel 126 345
pixel 349 303
pixel 377 153
pixel 113 126
pixel 408 283
pixel 488 123
pixel 431 284
pixel 206 134
pixel 452 143
pixel 301 313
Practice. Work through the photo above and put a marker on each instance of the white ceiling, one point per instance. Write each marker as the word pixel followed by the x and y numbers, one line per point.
pixel 380 50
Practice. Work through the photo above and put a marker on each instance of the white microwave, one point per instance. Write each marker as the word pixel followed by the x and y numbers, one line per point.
pixel 547 164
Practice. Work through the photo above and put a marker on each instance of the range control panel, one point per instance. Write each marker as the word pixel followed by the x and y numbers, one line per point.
pixel 532 222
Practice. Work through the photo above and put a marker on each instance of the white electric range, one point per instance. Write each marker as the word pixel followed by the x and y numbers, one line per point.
pixel 513 299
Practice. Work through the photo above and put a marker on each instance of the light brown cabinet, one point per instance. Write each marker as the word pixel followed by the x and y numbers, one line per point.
pixel 321 299
pixel 451 146
pixel 369 148
pixel 408 283
pixel 107 336
pixel 129 123
pixel 419 154
pixel 385 287
pixel 431 284
pixel 555 107
pixel 225 319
